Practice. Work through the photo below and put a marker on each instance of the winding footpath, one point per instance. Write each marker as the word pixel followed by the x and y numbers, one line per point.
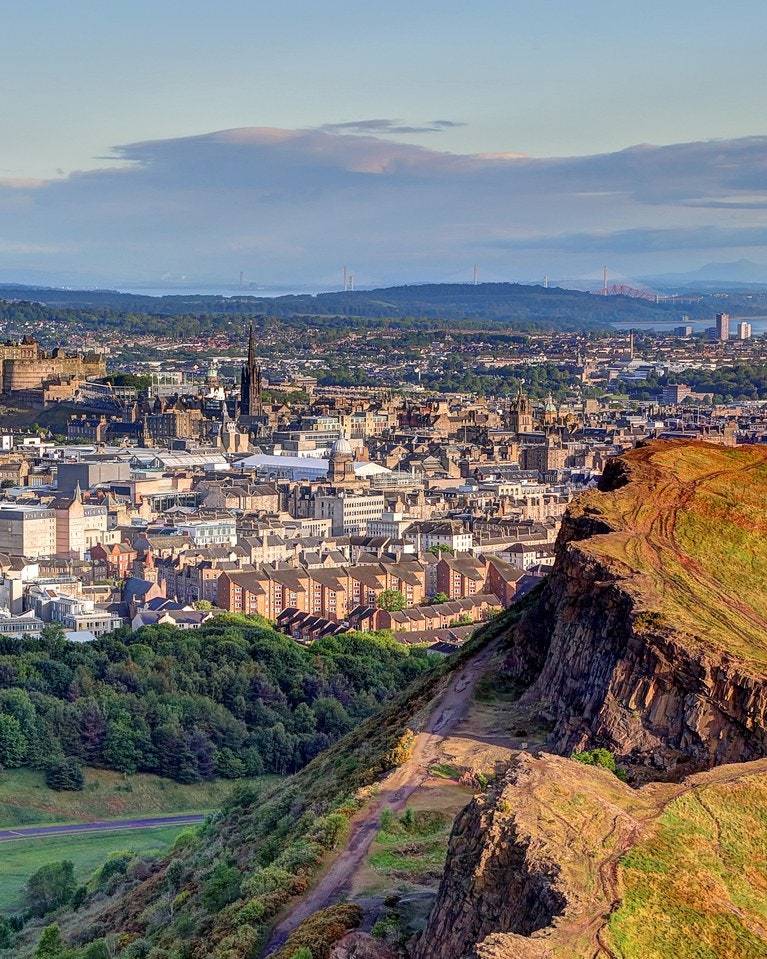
pixel 394 792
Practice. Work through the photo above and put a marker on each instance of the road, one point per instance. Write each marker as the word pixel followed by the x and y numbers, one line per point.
pixel 393 794
pixel 105 825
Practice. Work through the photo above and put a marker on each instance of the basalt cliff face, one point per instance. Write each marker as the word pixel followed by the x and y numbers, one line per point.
pixel 650 636
pixel 564 861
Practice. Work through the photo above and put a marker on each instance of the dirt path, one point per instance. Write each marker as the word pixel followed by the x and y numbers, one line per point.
pixel 394 792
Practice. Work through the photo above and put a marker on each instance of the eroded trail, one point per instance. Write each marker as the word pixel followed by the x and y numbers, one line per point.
pixel 394 792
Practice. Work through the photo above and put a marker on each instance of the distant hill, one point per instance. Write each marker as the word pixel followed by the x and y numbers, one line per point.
pixel 522 305
pixel 735 273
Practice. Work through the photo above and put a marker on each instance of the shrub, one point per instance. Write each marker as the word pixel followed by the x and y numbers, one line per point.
pixel 402 750
pixel 320 931
pixel 116 865
pixel 51 945
pixel 66 774
pixel 597 757
pixel 50 887
pixel 221 887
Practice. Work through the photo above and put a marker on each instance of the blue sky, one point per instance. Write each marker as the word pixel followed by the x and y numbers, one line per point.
pixel 548 79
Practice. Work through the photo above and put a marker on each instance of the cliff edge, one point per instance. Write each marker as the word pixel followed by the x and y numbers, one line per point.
pixel 650 635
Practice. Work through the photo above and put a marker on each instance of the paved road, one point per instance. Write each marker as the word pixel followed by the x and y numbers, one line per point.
pixel 106 825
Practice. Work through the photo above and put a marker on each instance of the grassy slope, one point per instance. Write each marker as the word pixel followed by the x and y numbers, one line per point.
pixel 663 872
pixel 278 837
pixel 19 859
pixel 25 799
pixel 698 885
pixel 692 541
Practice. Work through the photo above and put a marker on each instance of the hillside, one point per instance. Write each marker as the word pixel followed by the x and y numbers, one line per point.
pixel 563 861
pixel 489 303
pixel 647 639
pixel 650 637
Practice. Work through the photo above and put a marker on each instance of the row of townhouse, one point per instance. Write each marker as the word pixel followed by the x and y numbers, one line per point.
pixel 418 619
pixel 331 593
pixel 466 576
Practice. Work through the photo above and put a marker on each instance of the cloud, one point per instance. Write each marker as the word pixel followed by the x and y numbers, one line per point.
pixel 640 241
pixel 381 126
pixel 292 206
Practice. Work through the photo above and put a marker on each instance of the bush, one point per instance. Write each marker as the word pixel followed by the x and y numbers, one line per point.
pixel 115 865
pixel 596 757
pixel 50 887
pixel 51 945
pixel 402 750
pixel 320 931
pixel 221 888
pixel 66 774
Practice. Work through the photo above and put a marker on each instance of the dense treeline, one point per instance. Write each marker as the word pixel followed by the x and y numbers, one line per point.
pixel 741 381
pixel 538 379
pixel 527 308
pixel 234 698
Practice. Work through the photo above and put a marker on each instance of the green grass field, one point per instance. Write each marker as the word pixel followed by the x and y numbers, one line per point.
pixel 26 800
pixel 20 858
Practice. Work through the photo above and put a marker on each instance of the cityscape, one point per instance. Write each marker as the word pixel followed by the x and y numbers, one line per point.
pixel 383 481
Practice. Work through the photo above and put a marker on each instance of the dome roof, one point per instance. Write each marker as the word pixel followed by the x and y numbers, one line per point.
pixel 341 445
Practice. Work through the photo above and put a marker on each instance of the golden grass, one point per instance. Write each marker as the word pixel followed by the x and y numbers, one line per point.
pixel 697 887
pixel 690 540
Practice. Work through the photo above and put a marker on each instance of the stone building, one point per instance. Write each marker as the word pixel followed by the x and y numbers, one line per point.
pixel 24 366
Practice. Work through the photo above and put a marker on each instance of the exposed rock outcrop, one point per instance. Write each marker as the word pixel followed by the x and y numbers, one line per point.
pixel 536 868
pixel 617 663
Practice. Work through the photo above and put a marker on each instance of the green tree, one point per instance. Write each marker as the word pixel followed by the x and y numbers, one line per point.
pixel 204 605
pixel 13 743
pixel 438 598
pixel 229 765
pixel 6 934
pixel 53 632
pixel 119 750
pixel 391 600
pixel 50 887
pixel 51 945
pixel 221 888
pixel 66 774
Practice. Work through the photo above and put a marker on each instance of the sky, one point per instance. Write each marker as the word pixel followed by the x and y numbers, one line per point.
pixel 167 141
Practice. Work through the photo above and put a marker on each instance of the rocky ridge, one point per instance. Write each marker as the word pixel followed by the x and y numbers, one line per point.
pixel 615 662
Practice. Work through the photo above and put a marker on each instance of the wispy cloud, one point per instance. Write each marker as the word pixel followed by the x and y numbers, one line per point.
pixel 639 241
pixel 381 127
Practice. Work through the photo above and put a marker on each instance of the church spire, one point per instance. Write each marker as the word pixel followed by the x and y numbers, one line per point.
pixel 251 349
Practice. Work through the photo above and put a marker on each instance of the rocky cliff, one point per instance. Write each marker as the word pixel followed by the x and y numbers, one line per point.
pixel 563 861
pixel 650 636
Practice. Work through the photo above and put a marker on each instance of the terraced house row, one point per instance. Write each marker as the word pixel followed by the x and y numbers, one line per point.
pixel 331 593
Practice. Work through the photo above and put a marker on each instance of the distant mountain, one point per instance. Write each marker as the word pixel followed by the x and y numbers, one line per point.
pixel 735 272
